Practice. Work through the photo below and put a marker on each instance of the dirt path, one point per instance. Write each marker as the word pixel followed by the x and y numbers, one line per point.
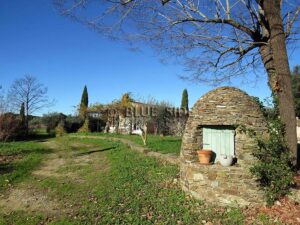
pixel 26 197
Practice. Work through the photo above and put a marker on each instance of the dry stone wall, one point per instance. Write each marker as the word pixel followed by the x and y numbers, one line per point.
pixel 225 106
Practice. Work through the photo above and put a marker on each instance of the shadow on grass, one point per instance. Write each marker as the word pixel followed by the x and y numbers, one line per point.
pixel 38 137
pixel 94 151
pixel 6 168
pixel 171 141
pixel 27 151
pixel 32 137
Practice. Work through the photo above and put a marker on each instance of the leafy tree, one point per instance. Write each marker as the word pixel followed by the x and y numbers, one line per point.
pixel 84 102
pixel 51 120
pixel 31 93
pixel 85 127
pixel 60 129
pixel 125 101
pixel 185 100
pixel 215 40
pixel 296 88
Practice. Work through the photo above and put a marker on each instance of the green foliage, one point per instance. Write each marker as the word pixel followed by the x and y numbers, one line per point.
pixel 126 99
pixel 85 127
pixel 60 129
pixel 73 123
pixel 23 127
pixel 234 217
pixel 185 100
pixel 274 168
pixel 51 120
pixel 36 123
pixel 22 112
pixel 125 102
pixel 296 88
pixel 84 102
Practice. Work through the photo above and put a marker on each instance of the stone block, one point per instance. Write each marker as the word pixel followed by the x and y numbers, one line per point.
pixel 212 175
pixel 198 177
pixel 215 184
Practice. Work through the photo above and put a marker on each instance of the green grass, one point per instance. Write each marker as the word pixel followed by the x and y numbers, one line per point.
pixel 24 156
pixel 117 186
pixel 165 145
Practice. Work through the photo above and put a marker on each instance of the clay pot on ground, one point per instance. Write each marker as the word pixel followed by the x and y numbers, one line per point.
pixel 226 160
pixel 205 156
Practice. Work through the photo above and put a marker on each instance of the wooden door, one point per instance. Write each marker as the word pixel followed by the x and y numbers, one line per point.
pixel 219 140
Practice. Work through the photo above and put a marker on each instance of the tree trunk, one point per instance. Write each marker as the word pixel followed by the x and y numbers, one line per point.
pixel 279 75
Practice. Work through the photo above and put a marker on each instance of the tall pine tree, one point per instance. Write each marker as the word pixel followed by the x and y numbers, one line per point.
pixel 84 102
pixel 185 100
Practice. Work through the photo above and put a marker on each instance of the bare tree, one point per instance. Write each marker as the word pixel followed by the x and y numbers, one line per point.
pixel 215 39
pixel 31 93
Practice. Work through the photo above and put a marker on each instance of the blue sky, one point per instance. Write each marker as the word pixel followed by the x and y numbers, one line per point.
pixel 65 56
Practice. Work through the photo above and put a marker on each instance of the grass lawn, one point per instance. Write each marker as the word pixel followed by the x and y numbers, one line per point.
pixel 166 144
pixel 18 159
pixel 92 181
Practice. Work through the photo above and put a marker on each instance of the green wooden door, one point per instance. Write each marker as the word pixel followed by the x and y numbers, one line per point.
pixel 219 140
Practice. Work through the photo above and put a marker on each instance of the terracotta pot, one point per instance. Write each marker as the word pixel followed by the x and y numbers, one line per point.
pixel 204 156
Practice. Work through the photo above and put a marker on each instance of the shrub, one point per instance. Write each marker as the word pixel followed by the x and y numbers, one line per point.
pixel 36 123
pixel 73 123
pixel 85 127
pixel 51 120
pixel 60 129
pixel 10 126
pixel 274 168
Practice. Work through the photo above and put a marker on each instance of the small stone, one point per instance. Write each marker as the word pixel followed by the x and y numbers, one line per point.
pixel 215 184
pixel 278 203
pixel 198 177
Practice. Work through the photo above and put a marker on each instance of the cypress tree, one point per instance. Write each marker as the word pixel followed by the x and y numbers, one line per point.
pixel 22 112
pixel 84 102
pixel 185 100
pixel 24 126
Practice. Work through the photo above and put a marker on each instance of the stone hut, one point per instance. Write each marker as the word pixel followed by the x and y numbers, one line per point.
pixel 215 123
